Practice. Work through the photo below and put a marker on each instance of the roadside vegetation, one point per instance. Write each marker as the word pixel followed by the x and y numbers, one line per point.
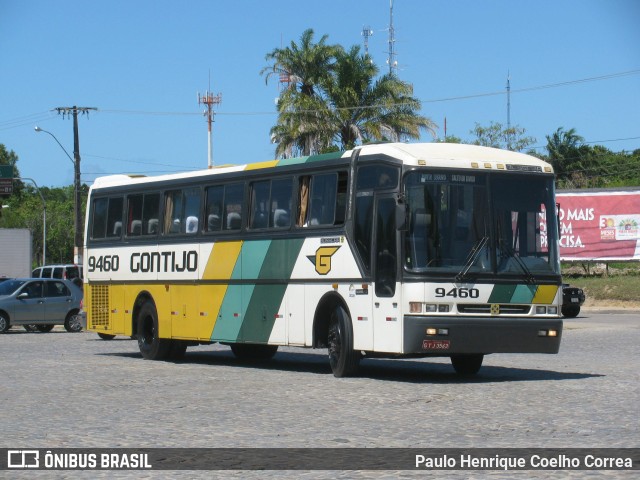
pixel 605 283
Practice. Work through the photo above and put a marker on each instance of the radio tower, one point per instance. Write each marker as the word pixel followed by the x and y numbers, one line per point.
pixel 209 100
pixel 393 63
pixel 366 33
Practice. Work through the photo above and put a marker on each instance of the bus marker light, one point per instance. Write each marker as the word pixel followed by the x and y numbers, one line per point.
pixel 474 165
pixel 443 331
pixel 541 310
pixel 443 308
pixel 542 333
pixel 552 333
pixel 431 308
pixel 334 286
pixel 415 307
pixel 391 319
pixel 552 310
pixel 487 165
pixel 432 331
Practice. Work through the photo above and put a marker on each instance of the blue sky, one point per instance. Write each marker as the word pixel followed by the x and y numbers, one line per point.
pixel 141 63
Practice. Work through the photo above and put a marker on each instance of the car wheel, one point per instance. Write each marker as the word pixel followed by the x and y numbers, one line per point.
pixel 151 346
pixel 72 323
pixel 570 311
pixel 44 328
pixel 106 336
pixel 4 322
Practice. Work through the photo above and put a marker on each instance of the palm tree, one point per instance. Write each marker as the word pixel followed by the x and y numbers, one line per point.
pixel 563 147
pixel 349 106
pixel 304 65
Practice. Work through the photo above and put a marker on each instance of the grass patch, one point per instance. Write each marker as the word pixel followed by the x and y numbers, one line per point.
pixel 620 287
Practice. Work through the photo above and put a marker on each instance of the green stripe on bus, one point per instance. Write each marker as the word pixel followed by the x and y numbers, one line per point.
pixel 266 299
pixel 233 308
pixel 524 294
pixel 502 294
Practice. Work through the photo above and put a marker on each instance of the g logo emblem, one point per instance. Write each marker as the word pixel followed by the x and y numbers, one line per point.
pixel 495 309
pixel 322 259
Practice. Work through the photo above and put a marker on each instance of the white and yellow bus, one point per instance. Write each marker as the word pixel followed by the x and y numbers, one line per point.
pixel 388 250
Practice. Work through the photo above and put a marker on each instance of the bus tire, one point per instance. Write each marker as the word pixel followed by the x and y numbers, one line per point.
pixel 467 364
pixel 248 351
pixel 344 360
pixel 151 346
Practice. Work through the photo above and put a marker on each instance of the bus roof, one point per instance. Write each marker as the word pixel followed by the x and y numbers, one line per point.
pixel 444 155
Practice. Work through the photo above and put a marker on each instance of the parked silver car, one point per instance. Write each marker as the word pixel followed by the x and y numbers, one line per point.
pixel 40 303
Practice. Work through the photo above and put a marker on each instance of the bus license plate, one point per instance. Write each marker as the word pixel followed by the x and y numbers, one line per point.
pixel 435 344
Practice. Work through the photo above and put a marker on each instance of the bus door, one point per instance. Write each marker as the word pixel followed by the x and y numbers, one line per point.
pixel 387 320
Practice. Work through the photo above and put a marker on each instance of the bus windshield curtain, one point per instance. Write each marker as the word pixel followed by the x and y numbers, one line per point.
pixel 168 213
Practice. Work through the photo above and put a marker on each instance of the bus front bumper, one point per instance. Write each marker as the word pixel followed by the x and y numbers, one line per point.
pixel 438 335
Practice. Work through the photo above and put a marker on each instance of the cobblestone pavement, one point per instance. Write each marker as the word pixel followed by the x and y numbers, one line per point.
pixel 75 390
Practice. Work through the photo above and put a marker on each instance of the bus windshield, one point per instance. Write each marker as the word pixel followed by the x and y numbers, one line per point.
pixel 465 224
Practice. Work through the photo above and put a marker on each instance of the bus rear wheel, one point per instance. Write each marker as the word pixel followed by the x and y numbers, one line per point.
pixel 343 359
pixel 467 364
pixel 151 346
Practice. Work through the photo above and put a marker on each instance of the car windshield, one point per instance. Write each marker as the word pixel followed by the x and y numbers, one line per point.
pixel 10 286
pixel 465 224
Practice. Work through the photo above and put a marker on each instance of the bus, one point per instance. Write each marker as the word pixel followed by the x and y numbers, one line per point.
pixel 388 250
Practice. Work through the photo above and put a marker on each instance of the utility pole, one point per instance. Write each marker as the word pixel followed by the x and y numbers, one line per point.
pixel 77 222
pixel 209 100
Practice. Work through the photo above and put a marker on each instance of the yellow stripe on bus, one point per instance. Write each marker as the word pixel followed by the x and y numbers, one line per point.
pixel 545 294
pixel 268 164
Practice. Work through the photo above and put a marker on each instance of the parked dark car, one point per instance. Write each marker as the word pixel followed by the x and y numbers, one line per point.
pixel 572 300
pixel 40 303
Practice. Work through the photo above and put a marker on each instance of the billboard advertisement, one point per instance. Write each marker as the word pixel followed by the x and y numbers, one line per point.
pixel 599 225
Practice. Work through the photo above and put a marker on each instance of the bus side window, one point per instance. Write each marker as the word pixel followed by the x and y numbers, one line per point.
pixel 213 211
pixel 99 229
pixel 233 199
pixel 134 215
pixel 150 214
pixel 114 217
pixel 281 194
pixel 259 201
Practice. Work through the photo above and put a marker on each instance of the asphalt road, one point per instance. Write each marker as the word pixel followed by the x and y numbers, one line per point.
pixel 63 389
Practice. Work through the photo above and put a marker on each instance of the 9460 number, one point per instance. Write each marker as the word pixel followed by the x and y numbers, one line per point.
pixel 461 292
pixel 104 263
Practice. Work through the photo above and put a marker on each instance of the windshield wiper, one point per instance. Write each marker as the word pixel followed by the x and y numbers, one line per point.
pixel 512 254
pixel 471 259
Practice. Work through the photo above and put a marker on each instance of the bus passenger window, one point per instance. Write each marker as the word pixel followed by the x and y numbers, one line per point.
pixel 213 211
pixel 281 191
pixel 98 229
pixel 259 201
pixel 114 217
pixel 233 197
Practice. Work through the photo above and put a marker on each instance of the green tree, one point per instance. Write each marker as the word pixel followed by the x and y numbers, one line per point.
pixel 497 136
pixel 344 104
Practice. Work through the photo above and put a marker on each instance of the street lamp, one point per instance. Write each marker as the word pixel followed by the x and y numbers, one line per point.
pixel 77 220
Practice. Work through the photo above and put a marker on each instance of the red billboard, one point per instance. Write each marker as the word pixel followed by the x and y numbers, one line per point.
pixel 599 225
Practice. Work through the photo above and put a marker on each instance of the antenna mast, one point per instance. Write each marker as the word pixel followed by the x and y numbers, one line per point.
pixel 393 63
pixel 508 100
pixel 209 100
pixel 366 33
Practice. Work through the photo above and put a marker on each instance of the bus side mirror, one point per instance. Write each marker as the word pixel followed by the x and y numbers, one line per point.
pixel 401 216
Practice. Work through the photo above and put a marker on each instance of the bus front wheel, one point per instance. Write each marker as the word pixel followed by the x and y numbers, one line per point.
pixel 467 364
pixel 344 360
pixel 151 346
